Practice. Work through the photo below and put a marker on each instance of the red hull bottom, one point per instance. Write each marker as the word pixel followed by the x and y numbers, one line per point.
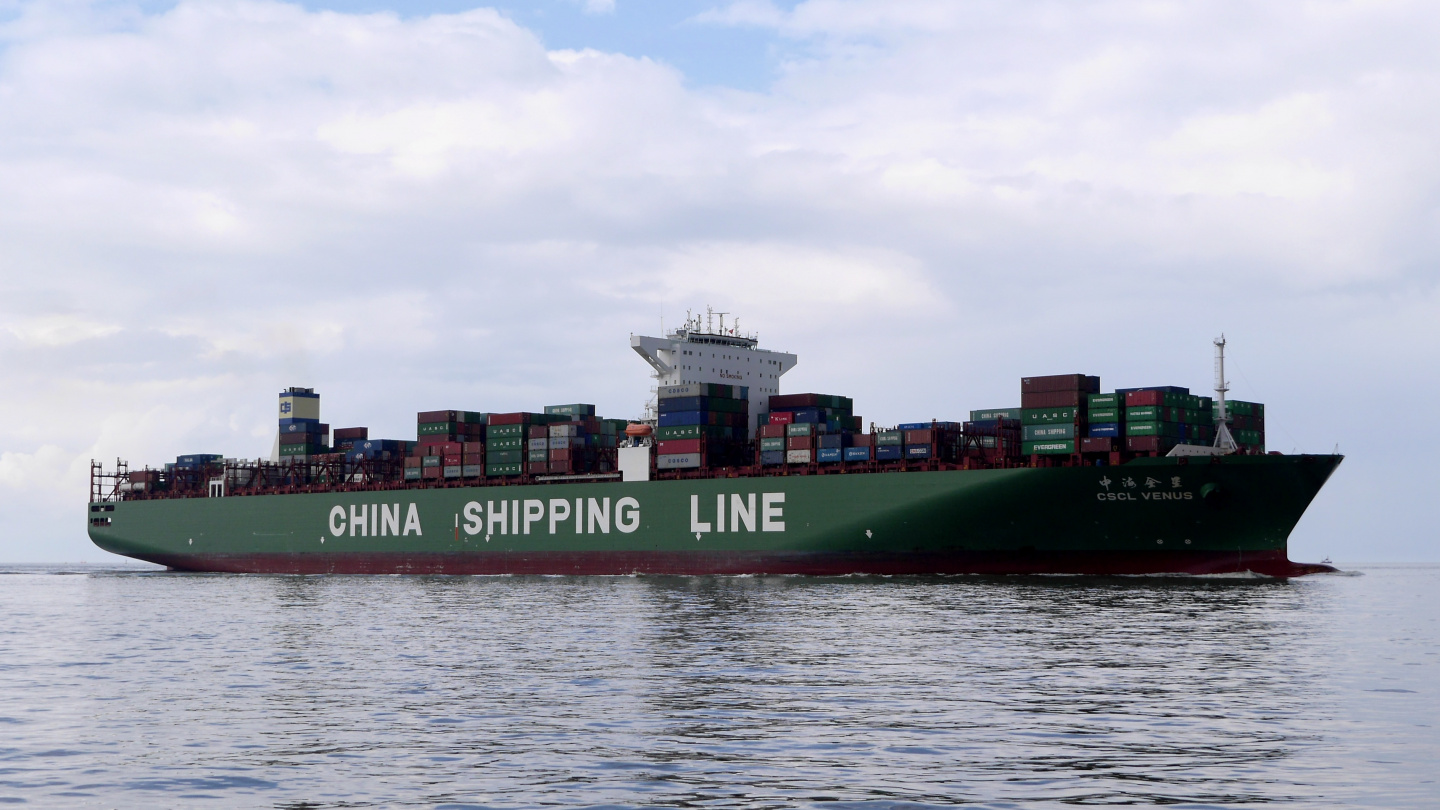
pixel 1269 563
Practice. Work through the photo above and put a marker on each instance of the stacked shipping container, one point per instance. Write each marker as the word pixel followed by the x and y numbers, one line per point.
pixel 701 425
pixel 1054 412
pixel 805 428
pixel 301 433
pixel 1160 417
pixel 1247 423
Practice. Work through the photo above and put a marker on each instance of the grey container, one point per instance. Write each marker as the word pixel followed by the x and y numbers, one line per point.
pixel 677 461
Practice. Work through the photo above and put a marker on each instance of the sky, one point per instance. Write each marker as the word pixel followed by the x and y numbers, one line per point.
pixel 442 205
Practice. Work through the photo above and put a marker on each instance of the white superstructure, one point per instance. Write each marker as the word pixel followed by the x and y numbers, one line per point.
pixel 704 353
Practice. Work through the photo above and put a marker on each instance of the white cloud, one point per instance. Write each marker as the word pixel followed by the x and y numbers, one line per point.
pixel 58 330
pixel 200 206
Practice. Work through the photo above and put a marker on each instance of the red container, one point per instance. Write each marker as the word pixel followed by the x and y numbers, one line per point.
pixel 771 432
pixel 1099 444
pixel 437 446
pixel 863 440
pixel 452 460
pixel 537 432
pixel 473 447
pixel 1060 382
pixel 563 454
pixel 431 472
pixel 472 458
pixel 919 436
pixel 1135 399
pixel 782 418
pixel 1149 444
pixel 509 418
pixel 562 466
pixel 678 446
pixel 799 442
pixel 431 417
pixel 1053 399
pixel 537 467
pixel 351 433
pixel 412 461
pixel 794 401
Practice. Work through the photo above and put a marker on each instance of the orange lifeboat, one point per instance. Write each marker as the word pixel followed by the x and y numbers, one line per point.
pixel 636 430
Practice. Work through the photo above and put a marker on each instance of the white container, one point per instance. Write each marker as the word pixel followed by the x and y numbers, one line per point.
pixel 677 461
pixel 797 456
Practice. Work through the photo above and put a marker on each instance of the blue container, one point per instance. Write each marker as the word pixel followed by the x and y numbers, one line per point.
pixel 1105 430
pixel 679 418
pixel 683 404
pixel 772 457
pixel 889 452
pixel 198 459
pixel 284 422
pixel 809 416
pixel 857 454
pixel 830 441
pixel 828 454
pixel 297 428
pixel 917 451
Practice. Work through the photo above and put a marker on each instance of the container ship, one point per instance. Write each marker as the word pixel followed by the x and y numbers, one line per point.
pixel 724 474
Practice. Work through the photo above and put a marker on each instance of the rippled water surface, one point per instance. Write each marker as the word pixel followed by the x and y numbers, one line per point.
pixel 129 688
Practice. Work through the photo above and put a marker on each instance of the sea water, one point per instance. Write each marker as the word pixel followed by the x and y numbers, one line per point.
pixel 123 687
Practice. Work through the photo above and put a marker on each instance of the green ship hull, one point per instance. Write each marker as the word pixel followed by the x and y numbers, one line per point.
pixel 1151 516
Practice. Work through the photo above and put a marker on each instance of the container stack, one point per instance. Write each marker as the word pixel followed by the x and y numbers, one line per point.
pixel 996 431
pixel 507 442
pixel 573 443
pixel 1106 431
pixel 923 441
pixel 1054 412
pixel 1159 417
pixel 301 434
pixel 345 438
pixel 806 428
pixel 445 442
pixel 196 461
pixel 1247 423
pixel 701 425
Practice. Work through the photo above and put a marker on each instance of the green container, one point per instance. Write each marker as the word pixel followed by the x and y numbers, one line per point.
pixel 693 432
pixel 430 461
pixel 888 437
pixel 1049 416
pixel 1040 433
pixel 504 444
pixel 800 429
pixel 413 473
pixel 577 409
pixel 776 443
pixel 1107 401
pixel 437 428
pixel 1048 447
pixel 1147 413
pixel 494 469
pixel 1167 429
pixel 298 449
pixel 504 456
pixel 994 413
pixel 504 431
pixel 1106 415
pixel 535 455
